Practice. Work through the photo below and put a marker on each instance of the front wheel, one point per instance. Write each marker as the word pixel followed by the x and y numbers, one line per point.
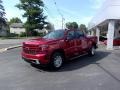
pixel 57 60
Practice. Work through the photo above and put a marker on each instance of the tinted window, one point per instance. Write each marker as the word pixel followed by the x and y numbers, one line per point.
pixel 79 34
pixel 55 34
pixel 70 35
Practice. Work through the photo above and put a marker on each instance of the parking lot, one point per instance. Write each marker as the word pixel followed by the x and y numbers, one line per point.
pixel 100 72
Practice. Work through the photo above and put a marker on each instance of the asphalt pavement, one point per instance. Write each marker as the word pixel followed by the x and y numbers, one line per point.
pixel 100 72
pixel 4 43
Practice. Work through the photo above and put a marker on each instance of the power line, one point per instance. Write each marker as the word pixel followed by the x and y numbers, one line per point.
pixel 58 10
pixel 48 11
pixel 49 14
pixel 71 15
pixel 49 18
pixel 52 16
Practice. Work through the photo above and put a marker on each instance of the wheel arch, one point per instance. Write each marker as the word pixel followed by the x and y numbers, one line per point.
pixel 94 45
pixel 59 51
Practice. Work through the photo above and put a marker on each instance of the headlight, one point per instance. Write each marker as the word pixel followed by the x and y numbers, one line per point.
pixel 44 47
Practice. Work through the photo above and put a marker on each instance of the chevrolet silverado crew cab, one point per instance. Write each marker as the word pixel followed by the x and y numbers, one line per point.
pixel 58 46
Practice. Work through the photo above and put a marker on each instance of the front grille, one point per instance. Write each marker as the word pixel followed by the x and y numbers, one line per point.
pixel 31 50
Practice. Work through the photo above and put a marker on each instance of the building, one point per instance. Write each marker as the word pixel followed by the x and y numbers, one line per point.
pixel 17 28
pixel 3 27
pixel 107 19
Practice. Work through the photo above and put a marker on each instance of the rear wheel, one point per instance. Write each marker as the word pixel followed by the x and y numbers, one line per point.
pixel 92 51
pixel 56 60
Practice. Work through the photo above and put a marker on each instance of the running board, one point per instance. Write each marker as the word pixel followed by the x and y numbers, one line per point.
pixel 79 56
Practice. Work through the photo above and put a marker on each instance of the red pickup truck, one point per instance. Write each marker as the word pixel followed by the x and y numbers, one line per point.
pixel 57 47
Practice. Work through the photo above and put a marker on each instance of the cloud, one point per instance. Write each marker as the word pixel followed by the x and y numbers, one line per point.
pixel 69 12
pixel 11 10
pixel 96 4
pixel 70 16
pixel 85 20
pixel 57 21
pixel 14 13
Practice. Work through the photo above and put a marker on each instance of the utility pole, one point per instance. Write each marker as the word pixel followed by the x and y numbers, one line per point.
pixel 63 22
pixel 63 19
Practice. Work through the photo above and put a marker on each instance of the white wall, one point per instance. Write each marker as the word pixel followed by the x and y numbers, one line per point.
pixel 17 30
pixel 109 10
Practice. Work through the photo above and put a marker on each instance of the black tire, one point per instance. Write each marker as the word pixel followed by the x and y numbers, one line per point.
pixel 91 52
pixel 56 61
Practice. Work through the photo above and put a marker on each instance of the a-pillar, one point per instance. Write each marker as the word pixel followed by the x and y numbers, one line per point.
pixel 98 34
pixel 110 34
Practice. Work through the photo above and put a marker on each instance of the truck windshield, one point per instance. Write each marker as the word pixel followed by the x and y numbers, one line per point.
pixel 55 34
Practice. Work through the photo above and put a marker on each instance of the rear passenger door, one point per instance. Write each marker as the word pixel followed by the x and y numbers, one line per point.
pixel 81 41
pixel 78 41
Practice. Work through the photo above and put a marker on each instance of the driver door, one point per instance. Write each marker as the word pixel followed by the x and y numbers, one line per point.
pixel 70 48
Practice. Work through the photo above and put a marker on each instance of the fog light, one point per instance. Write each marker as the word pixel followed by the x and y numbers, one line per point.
pixel 37 62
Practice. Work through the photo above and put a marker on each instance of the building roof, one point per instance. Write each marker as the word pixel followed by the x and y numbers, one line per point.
pixel 109 10
pixel 17 25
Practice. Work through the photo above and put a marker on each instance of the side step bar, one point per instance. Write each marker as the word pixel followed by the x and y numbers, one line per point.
pixel 78 56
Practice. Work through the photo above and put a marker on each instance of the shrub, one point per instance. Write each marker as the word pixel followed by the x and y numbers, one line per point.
pixel 22 34
pixel 13 35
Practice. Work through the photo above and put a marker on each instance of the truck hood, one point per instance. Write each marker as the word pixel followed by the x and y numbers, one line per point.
pixel 39 41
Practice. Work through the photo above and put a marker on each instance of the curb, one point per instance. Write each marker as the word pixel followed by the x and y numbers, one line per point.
pixel 9 48
pixel 12 47
pixel 3 50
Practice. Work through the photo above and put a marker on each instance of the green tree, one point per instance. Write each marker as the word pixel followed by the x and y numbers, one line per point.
pixel 2 10
pixel 83 28
pixel 34 14
pixel 71 25
pixel 15 20
pixel 50 27
pixel 2 16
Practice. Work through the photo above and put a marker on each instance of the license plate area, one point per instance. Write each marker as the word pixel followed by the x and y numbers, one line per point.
pixel 35 62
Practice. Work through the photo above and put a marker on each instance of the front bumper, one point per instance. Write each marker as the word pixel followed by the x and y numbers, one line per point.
pixel 35 59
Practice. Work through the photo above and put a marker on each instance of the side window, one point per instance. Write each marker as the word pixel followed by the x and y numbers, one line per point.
pixel 70 35
pixel 79 34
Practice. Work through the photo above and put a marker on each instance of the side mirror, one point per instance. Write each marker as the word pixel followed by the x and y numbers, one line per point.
pixel 68 38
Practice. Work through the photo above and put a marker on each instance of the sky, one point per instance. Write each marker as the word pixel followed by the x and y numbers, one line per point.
pixel 80 11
